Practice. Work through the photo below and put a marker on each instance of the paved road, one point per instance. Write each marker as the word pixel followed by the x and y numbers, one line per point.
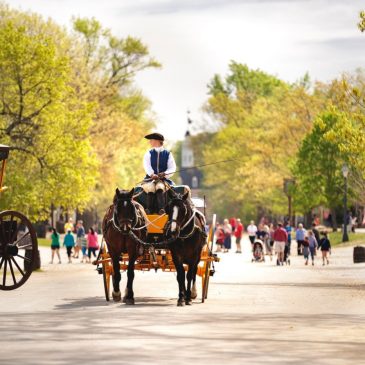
pixel 255 314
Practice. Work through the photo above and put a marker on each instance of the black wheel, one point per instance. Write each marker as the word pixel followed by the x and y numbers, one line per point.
pixel 18 249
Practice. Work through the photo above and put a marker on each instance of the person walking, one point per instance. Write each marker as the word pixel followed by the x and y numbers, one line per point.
pixel 305 250
pixel 69 226
pixel 81 242
pixel 233 223
pixel 251 230
pixel 238 234
pixel 268 246
pixel 325 246
pixel 55 245
pixel 289 230
pixel 313 245
pixel 92 242
pixel 299 237
pixel 280 238
pixel 69 243
pixel 316 232
pixel 80 232
pixel 227 229
pixel 219 237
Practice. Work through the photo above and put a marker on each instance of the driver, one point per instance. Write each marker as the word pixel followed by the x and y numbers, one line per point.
pixel 159 165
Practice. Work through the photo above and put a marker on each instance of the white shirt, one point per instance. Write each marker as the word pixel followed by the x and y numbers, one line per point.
pixel 171 165
pixel 251 230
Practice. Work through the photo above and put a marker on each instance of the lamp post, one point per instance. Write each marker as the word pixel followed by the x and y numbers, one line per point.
pixel 345 172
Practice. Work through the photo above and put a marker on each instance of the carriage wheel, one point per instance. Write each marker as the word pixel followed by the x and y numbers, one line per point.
pixel 208 262
pixel 18 249
pixel 205 280
pixel 106 274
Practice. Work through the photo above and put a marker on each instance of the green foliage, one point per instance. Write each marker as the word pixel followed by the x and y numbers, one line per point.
pixel 70 112
pixel 42 119
pixel 262 121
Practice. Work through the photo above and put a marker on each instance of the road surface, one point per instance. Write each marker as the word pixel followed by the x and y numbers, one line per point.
pixel 255 314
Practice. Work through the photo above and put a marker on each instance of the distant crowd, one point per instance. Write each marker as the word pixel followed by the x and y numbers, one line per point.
pixel 273 238
pixel 75 240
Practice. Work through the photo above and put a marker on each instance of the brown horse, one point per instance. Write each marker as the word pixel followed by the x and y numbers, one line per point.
pixel 187 225
pixel 124 216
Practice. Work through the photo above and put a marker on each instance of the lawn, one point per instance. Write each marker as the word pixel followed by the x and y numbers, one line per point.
pixel 354 238
pixel 44 242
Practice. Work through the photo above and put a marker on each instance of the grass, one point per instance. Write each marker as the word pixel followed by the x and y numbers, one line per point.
pixel 45 242
pixel 354 238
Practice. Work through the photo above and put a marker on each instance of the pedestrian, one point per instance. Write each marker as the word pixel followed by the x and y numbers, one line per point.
pixel 316 232
pixel 271 235
pixel 55 245
pixel 305 248
pixel 92 242
pixel 80 232
pixel 69 226
pixel 233 223
pixel 238 234
pixel 69 243
pixel 313 244
pixel 227 229
pixel 280 238
pixel 219 237
pixel 325 246
pixel 80 241
pixel 251 230
pixel 300 235
pixel 267 239
pixel 288 229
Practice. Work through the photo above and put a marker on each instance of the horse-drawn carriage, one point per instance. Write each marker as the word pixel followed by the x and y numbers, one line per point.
pixel 18 241
pixel 156 249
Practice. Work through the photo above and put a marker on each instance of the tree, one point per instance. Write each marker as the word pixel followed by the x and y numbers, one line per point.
pixel 42 118
pixel 109 64
pixel 333 141
pixel 262 122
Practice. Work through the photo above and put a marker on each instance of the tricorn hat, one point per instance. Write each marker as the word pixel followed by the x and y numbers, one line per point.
pixel 157 136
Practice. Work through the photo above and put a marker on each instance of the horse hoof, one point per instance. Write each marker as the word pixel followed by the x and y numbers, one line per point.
pixel 128 301
pixel 180 303
pixel 194 295
pixel 117 296
pixel 188 302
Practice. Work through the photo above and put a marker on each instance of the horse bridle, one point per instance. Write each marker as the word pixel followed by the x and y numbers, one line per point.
pixel 127 223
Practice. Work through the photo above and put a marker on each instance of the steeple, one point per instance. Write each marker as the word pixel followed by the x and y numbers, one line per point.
pixel 187 154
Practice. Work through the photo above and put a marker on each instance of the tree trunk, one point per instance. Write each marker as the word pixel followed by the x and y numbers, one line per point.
pixel 334 219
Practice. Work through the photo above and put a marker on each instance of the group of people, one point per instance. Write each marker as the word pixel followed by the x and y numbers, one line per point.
pixel 87 243
pixel 224 233
pixel 308 242
pixel 276 238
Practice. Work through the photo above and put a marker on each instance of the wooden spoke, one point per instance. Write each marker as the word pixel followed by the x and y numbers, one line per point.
pixel 20 239
pixel 17 266
pixel 1 262
pixel 4 272
pixel 12 272
pixel 24 258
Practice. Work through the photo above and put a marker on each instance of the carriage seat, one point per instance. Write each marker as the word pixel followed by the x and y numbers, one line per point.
pixel 141 196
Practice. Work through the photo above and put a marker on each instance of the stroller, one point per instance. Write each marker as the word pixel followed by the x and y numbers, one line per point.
pixel 258 251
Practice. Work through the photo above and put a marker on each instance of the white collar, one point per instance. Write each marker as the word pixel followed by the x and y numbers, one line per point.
pixel 158 149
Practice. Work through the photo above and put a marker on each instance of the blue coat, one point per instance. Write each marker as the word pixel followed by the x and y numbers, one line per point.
pixel 69 240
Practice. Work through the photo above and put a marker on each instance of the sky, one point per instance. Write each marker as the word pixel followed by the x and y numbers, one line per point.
pixel 195 39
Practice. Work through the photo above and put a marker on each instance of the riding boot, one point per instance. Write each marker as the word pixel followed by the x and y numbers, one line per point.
pixel 149 203
pixel 160 197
